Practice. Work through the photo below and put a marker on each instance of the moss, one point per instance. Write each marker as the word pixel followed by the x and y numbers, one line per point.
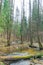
pixel 1 63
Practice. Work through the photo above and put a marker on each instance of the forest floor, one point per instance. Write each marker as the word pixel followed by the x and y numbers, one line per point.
pixel 21 48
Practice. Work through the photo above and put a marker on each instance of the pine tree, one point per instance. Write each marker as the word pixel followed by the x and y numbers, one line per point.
pixel 7 19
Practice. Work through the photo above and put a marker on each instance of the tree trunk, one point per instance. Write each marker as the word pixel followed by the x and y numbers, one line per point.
pixel 21 30
pixel 30 31
pixel 8 37
pixel 22 19
pixel 0 7
pixel 38 24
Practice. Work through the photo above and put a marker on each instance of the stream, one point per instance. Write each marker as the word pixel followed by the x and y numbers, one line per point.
pixel 21 62
pixel 26 62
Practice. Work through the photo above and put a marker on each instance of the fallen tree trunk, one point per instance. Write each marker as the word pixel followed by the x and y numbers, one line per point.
pixel 11 58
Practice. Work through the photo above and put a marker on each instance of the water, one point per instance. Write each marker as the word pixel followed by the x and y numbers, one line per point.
pixel 25 62
pixel 22 62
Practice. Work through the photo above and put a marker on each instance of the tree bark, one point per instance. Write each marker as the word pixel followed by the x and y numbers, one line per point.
pixel 30 30
pixel 8 37
pixel 22 18
pixel 38 25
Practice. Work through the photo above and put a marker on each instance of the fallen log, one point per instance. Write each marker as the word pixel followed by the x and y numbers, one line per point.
pixel 10 58
pixel 36 47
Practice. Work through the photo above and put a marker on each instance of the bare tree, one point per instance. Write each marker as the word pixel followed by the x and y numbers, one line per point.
pixel 30 30
pixel 38 25
pixel 22 17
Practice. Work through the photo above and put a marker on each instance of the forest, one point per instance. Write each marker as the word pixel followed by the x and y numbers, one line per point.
pixel 21 34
